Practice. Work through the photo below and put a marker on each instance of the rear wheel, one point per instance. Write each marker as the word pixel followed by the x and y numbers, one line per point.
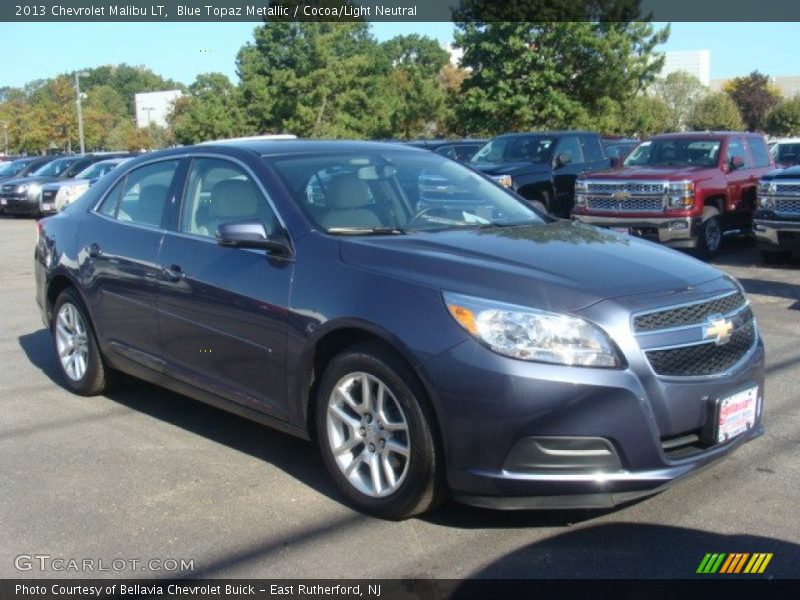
pixel 375 432
pixel 77 353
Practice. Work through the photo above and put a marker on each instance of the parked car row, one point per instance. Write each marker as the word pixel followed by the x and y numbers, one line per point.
pixel 36 186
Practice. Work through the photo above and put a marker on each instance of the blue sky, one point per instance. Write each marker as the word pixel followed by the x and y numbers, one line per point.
pixel 182 50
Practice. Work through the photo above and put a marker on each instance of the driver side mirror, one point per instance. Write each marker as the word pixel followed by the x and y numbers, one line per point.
pixel 252 234
pixel 736 162
pixel 563 159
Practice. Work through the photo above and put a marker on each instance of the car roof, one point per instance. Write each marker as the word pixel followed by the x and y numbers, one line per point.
pixel 704 134
pixel 283 147
pixel 550 132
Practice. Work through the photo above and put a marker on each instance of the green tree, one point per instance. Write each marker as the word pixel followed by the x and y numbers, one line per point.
pixel 646 115
pixel 127 81
pixel 679 91
pixel 211 110
pixel 785 118
pixel 715 110
pixel 451 79
pixel 417 97
pixel 755 98
pixel 315 80
pixel 542 75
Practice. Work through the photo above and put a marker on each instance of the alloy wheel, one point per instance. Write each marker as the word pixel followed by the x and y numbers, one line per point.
pixel 368 434
pixel 71 341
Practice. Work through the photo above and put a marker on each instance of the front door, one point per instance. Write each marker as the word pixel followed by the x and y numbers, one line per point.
pixel 222 310
pixel 565 172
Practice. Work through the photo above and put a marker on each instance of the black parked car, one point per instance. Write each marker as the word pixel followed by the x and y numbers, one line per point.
pixel 512 359
pixel 23 195
pixel 543 166
pixel 22 167
pixel 461 150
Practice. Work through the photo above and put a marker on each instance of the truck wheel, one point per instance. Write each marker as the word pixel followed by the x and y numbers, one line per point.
pixel 775 257
pixel 710 237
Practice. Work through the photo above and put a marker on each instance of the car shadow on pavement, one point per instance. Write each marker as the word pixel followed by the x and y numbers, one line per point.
pixel 638 550
pixel 294 456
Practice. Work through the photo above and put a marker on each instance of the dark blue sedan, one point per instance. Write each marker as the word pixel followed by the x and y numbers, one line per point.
pixel 475 348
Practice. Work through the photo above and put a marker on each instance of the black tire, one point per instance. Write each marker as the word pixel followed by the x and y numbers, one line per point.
pixel 775 257
pixel 709 239
pixel 97 376
pixel 423 486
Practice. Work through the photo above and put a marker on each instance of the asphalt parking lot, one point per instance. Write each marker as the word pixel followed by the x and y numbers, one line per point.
pixel 145 474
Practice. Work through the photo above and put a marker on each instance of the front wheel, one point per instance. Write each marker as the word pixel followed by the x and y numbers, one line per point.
pixel 710 237
pixel 77 352
pixel 375 432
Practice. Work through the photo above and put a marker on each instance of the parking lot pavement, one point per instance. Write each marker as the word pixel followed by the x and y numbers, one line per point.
pixel 145 474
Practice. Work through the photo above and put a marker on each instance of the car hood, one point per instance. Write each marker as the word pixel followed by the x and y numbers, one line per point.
pixel 20 180
pixel 59 183
pixel 561 266
pixel 511 168
pixel 660 173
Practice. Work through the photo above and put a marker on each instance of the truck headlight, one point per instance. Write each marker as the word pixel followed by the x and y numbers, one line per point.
pixel 533 335
pixel 681 194
pixel 504 180
pixel 766 190
pixel 580 192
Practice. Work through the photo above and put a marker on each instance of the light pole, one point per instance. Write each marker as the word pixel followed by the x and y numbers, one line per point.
pixel 5 136
pixel 80 113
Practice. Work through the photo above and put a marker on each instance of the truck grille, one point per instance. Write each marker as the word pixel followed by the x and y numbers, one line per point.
pixel 49 195
pixel 703 359
pixel 788 206
pixel 788 189
pixel 688 315
pixel 632 187
pixel 630 205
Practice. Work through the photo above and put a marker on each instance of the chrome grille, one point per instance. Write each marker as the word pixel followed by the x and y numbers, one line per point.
pixel 787 206
pixel 789 189
pixel 703 359
pixel 48 195
pixel 631 205
pixel 632 187
pixel 688 315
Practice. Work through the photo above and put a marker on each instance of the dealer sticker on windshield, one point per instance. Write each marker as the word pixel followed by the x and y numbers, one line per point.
pixel 736 414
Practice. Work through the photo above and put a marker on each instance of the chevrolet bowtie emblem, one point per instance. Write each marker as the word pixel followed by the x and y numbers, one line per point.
pixel 621 195
pixel 719 329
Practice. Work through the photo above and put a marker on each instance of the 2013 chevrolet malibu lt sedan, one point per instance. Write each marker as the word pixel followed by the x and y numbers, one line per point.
pixel 476 348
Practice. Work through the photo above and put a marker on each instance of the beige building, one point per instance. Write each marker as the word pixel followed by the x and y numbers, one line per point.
pixel 789 85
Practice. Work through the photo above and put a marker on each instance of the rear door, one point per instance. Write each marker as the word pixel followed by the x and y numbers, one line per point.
pixel 222 310
pixel 121 241
pixel 739 179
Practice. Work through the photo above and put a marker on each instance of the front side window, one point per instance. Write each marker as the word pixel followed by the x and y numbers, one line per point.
pixel 219 191
pixel 396 192
pixel 569 148
pixel 142 196
pixel 592 149
pixel 736 149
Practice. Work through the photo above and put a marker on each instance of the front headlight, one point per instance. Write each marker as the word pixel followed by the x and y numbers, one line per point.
pixel 765 191
pixel 67 194
pixel 504 180
pixel 531 334
pixel 681 194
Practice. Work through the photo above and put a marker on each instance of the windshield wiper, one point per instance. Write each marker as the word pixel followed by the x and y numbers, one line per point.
pixel 367 231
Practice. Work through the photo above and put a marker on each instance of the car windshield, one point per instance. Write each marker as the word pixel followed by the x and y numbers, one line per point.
pixel 396 192
pixel 54 168
pixel 98 169
pixel 679 152
pixel 531 148
pixel 788 154
pixel 14 167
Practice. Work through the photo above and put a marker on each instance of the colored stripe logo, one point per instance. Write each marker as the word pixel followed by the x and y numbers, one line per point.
pixel 734 563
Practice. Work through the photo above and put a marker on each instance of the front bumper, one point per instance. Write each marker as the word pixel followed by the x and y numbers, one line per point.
pixel 488 403
pixel 772 234
pixel 677 232
pixel 19 204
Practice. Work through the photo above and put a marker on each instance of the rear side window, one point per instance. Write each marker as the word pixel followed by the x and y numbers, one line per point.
pixel 758 148
pixel 592 149
pixel 464 153
pixel 447 151
pixel 142 196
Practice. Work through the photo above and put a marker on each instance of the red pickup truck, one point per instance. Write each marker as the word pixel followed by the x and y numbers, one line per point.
pixel 685 190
